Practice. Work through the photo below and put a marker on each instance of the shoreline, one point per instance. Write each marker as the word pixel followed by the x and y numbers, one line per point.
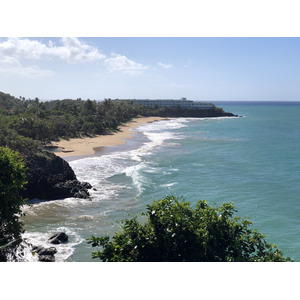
pixel 85 146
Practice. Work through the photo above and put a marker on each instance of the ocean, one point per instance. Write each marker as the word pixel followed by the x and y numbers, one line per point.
pixel 252 161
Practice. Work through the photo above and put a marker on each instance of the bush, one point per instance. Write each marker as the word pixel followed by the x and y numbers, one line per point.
pixel 173 232
pixel 12 180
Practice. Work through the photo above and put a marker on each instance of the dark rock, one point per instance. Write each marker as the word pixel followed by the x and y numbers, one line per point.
pixel 70 188
pixel 44 251
pixel 46 258
pixel 37 249
pixel 87 185
pixel 58 238
pixel 51 177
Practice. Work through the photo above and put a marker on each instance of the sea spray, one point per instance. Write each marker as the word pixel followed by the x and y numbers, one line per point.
pixel 26 253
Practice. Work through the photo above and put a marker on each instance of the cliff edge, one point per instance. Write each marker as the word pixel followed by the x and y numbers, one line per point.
pixel 50 178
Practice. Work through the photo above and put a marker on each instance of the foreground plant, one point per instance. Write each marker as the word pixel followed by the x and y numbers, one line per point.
pixel 12 180
pixel 173 232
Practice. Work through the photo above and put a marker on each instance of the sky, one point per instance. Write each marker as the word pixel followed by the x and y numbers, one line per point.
pixel 198 68
pixel 202 50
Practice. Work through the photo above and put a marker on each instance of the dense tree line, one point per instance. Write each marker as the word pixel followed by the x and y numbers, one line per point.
pixel 52 120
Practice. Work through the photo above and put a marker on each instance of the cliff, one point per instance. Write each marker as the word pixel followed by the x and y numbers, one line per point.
pixel 50 177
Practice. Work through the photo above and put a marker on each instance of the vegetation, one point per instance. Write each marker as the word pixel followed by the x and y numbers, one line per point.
pixel 173 232
pixel 12 180
pixel 53 120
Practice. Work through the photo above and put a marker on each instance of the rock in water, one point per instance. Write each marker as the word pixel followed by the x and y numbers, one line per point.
pixel 70 188
pixel 46 258
pixel 45 254
pixel 58 238
pixel 44 251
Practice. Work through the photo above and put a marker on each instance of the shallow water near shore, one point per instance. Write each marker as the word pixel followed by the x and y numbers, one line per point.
pixel 252 161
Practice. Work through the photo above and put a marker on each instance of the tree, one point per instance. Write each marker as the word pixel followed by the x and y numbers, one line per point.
pixel 90 107
pixel 12 180
pixel 173 231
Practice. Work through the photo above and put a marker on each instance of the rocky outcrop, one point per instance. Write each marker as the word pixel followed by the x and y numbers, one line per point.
pixel 47 258
pixel 50 177
pixel 213 112
pixel 48 254
pixel 45 254
pixel 58 238
pixel 44 251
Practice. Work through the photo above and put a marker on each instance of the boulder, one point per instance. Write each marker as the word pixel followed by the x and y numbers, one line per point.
pixel 71 188
pixel 58 238
pixel 87 185
pixel 46 258
pixel 45 254
pixel 44 251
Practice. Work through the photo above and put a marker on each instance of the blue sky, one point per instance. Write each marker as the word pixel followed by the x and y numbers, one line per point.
pixel 199 68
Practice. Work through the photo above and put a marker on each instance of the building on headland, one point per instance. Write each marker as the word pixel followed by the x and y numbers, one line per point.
pixel 171 103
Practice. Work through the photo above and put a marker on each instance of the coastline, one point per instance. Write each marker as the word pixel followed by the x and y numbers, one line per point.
pixel 86 145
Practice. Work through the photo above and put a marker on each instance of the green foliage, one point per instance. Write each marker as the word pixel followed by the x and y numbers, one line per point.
pixel 53 120
pixel 12 180
pixel 26 146
pixel 173 232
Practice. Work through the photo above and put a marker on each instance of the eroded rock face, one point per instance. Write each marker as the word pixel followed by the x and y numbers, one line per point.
pixel 50 177
pixel 70 188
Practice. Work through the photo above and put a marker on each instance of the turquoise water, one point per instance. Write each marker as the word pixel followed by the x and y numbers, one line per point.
pixel 251 161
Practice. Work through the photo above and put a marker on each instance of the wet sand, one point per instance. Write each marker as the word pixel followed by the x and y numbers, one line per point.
pixel 85 146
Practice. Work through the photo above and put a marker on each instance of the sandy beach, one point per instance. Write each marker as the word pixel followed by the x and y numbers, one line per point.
pixel 86 145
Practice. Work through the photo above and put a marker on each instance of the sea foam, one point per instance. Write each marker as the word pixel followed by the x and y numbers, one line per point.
pixel 118 179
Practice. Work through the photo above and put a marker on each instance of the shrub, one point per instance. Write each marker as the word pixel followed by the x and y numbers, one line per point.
pixel 173 231
pixel 12 180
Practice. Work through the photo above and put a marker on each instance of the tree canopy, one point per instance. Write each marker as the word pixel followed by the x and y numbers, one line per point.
pixel 47 121
pixel 12 180
pixel 173 231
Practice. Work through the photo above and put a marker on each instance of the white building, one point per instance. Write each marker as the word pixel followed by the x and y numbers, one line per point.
pixel 171 103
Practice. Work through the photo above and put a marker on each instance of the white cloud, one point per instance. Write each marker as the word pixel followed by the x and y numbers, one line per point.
pixel 72 50
pixel 165 66
pixel 15 51
pixel 11 66
pixel 121 63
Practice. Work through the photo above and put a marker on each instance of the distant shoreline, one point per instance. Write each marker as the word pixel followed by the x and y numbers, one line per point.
pixel 85 146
